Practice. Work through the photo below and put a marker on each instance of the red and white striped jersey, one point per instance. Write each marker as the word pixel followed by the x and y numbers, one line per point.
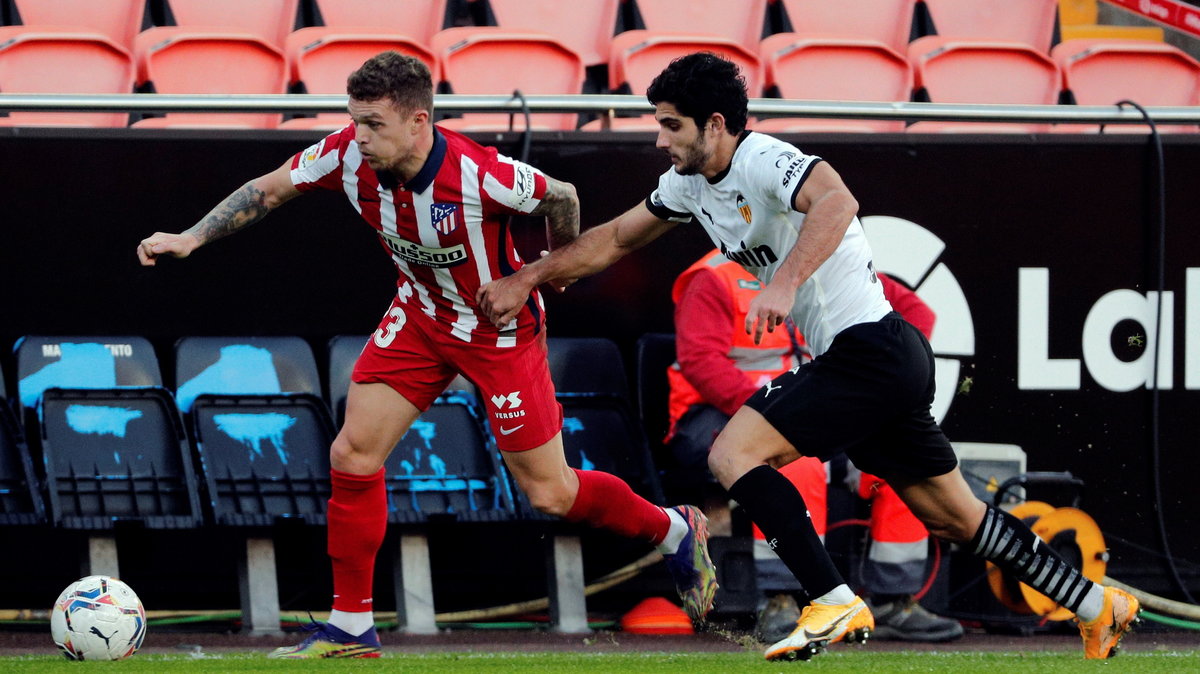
pixel 445 229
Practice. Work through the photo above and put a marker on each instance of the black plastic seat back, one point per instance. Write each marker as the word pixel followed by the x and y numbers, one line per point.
pixel 20 500
pixel 262 431
pixel 655 352
pixel 447 464
pixel 600 430
pixel 110 436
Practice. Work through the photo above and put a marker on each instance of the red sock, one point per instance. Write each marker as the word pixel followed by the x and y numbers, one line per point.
pixel 357 520
pixel 606 502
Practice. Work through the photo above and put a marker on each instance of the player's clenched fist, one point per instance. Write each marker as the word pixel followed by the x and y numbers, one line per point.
pixel 162 243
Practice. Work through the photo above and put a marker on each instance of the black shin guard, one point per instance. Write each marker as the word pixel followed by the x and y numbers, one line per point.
pixel 1006 542
pixel 778 509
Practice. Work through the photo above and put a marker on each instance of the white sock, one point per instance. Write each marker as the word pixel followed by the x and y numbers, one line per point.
pixel 1092 604
pixel 838 595
pixel 675 534
pixel 352 623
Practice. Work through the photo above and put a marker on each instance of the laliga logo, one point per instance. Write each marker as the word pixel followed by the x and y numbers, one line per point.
pixel 909 253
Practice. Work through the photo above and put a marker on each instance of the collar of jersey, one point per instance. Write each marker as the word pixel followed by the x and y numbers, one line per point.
pixel 721 176
pixel 420 182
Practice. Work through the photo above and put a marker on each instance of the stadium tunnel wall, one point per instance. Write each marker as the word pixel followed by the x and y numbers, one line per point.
pixel 1060 224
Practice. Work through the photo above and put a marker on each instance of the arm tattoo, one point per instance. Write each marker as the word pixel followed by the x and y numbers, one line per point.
pixel 560 205
pixel 244 207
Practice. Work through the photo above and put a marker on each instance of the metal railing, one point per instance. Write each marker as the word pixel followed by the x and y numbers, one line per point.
pixel 603 105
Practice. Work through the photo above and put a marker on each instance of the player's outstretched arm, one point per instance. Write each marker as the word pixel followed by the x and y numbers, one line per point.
pixel 594 250
pixel 244 207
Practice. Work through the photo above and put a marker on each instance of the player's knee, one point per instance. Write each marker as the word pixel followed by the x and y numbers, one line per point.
pixel 551 499
pixel 345 456
pixel 724 460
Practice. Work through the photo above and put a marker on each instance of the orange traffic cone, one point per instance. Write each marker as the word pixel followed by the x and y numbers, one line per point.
pixel 656 615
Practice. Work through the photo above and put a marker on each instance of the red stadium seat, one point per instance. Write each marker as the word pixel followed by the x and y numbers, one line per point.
pixel 271 20
pixel 887 21
pixel 740 21
pixel 978 71
pixel 492 60
pixel 834 69
pixel 180 61
pixel 586 26
pixel 640 55
pixel 119 20
pixel 321 59
pixel 1102 72
pixel 418 20
pixel 1027 21
pixel 33 60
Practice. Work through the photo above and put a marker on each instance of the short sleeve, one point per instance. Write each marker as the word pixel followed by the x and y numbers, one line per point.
pixel 782 172
pixel 666 202
pixel 319 165
pixel 512 186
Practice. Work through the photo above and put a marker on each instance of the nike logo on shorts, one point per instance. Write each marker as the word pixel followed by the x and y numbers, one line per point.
pixel 510 431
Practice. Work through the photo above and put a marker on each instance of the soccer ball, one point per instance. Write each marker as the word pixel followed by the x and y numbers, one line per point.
pixel 98 618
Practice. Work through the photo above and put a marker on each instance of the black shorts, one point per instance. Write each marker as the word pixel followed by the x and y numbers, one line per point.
pixel 867 396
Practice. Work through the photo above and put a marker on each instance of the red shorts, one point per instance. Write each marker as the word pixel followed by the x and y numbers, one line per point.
pixel 411 355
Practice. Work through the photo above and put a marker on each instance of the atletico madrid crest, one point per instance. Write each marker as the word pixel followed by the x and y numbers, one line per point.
pixel 445 217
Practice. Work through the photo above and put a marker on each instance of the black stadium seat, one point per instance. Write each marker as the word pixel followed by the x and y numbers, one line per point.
pixel 261 428
pixel 600 430
pixel 262 432
pixel 109 434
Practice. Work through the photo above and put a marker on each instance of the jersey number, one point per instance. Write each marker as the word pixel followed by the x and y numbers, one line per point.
pixel 385 335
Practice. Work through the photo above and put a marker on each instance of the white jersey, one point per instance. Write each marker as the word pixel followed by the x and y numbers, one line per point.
pixel 748 213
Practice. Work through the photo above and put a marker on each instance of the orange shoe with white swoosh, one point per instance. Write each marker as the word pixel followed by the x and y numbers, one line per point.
pixel 820 625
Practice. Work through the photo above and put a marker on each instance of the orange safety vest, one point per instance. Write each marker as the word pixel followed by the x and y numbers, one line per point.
pixel 761 362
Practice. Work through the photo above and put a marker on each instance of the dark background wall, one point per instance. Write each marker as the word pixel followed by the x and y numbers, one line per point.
pixel 75 204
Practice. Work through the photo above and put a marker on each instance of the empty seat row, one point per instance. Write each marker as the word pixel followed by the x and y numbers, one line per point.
pixel 585 25
pixel 113 441
pixel 494 61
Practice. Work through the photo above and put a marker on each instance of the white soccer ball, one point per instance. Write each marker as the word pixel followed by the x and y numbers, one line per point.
pixel 98 618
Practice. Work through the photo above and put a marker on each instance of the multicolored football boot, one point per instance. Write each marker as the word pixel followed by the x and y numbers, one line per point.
pixel 693 571
pixel 327 641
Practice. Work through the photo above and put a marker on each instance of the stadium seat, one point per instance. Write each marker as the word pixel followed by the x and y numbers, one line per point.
pixel 270 20
pixel 50 61
pixel 741 22
pixel 111 440
pixel 493 60
pixel 638 56
pixel 833 69
pixel 654 353
pixel 584 26
pixel 886 21
pixel 20 497
pixel 1102 72
pixel 600 429
pixel 1031 22
pixel 180 61
pixel 118 20
pixel 416 20
pixel 950 70
pixel 321 59
pixel 262 433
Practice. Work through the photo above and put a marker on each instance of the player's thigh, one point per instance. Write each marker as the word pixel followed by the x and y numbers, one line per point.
pixel 515 389
pixel 545 464
pixel 377 416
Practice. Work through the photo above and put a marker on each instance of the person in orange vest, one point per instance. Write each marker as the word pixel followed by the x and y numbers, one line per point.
pixel 718 367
